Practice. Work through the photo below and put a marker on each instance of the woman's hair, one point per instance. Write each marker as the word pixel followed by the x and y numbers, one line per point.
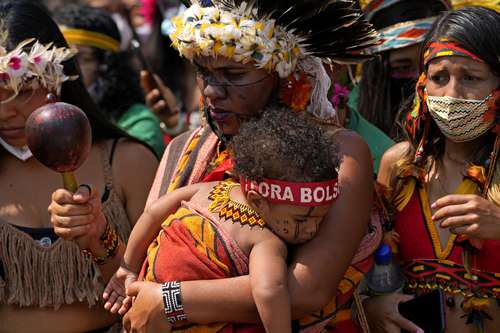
pixel 476 30
pixel 164 59
pixel 379 100
pixel 281 145
pixel 117 83
pixel 25 19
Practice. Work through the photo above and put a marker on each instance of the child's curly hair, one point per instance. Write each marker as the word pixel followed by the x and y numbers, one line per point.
pixel 282 145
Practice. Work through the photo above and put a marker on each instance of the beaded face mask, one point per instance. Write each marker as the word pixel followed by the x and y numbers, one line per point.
pixel 460 120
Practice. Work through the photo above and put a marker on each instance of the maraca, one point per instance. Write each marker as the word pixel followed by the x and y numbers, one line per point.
pixel 59 136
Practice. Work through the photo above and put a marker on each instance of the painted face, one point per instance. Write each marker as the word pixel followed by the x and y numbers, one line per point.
pixel 295 224
pixel 234 92
pixel 13 114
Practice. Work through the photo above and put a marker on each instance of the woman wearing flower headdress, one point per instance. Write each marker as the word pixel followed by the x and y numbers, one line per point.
pixel 47 283
pixel 445 178
pixel 249 55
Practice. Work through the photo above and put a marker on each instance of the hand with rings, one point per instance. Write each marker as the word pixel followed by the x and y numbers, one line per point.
pixel 115 292
pixel 469 215
pixel 78 216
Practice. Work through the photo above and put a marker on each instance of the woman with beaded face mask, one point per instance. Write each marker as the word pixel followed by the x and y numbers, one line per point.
pixel 47 282
pixel 249 55
pixel 444 181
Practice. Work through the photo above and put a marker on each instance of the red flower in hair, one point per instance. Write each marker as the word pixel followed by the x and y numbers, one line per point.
pixel 296 92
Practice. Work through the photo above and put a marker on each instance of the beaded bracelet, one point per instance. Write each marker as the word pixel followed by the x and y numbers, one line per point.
pixel 172 301
pixel 109 239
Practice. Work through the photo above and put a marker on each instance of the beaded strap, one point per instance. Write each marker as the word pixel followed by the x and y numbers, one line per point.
pixel 109 239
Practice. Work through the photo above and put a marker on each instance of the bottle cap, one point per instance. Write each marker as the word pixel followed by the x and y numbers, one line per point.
pixel 383 255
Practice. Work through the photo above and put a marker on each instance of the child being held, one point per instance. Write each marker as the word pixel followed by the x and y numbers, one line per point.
pixel 284 183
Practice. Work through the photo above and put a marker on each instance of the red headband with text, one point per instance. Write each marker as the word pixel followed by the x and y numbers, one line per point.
pixel 296 194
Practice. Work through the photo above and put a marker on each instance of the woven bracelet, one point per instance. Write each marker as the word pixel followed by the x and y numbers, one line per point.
pixel 172 301
pixel 109 240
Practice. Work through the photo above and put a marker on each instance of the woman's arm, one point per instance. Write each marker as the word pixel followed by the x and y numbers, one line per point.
pixel 317 267
pixel 79 216
pixel 382 311
pixel 145 230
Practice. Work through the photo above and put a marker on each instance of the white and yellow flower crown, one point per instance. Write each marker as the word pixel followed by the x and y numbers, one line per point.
pixel 41 66
pixel 240 36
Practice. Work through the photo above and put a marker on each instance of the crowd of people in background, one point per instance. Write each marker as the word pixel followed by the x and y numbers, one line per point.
pixel 256 166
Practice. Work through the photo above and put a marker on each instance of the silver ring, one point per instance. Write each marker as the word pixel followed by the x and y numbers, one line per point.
pixel 87 187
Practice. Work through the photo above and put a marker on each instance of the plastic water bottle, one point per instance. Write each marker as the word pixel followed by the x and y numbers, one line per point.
pixel 385 276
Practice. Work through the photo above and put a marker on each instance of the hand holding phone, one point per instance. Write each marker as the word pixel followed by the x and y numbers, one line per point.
pixel 427 311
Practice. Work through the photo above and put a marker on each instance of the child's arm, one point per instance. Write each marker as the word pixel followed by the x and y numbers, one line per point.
pixel 145 230
pixel 268 277
pixel 149 224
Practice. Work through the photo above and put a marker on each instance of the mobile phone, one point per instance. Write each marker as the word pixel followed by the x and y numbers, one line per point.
pixel 426 311
pixel 150 84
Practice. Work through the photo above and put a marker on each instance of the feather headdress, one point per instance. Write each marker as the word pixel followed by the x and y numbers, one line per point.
pixel 282 36
pixel 333 29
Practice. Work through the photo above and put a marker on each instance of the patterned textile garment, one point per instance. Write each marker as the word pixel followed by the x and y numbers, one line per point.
pixel 187 160
pixel 426 264
pixel 189 247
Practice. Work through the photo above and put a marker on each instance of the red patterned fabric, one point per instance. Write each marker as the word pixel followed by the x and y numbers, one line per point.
pixel 417 247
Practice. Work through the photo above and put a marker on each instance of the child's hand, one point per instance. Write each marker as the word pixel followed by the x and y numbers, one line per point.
pixel 115 296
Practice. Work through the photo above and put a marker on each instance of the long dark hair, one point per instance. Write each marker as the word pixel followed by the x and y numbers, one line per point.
pixel 164 60
pixel 25 19
pixel 375 90
pixel 118 83
pixel 476 29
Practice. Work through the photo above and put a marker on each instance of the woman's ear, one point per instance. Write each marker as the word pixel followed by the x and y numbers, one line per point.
pixel 257 202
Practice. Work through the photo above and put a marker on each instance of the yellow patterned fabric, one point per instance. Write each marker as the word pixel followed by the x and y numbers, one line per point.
pixel 492 4
pixel 191 247
pixel 181 165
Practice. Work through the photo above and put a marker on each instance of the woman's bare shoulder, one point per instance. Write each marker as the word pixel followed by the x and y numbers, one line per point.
pixel 389 161
pixel 133 153
pixel 132 163
pixel 396 152
pixel 346 139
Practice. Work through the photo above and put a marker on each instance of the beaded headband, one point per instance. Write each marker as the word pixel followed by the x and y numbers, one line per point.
pixel 291 193
pixel 447 48
pixel 41 66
